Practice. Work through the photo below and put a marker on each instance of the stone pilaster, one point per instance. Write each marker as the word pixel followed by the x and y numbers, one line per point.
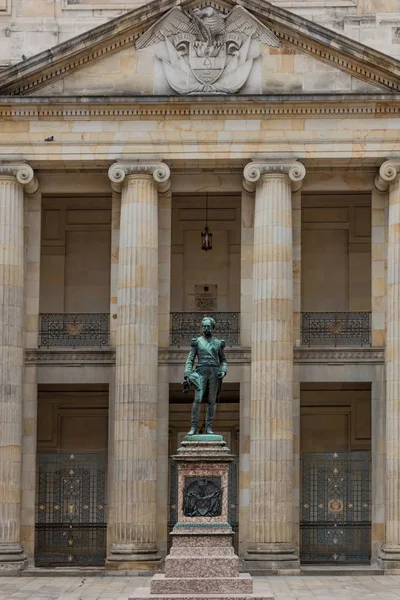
pixel 115 225
pixel 246 307
pixel 13 179
pixel 164 268
pixel 271 547
pixel 388 179
pixel 378 267
pixel 134 473
pixel 246 266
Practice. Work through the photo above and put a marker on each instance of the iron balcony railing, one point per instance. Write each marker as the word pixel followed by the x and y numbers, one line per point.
pixel 336 329
pixel 187 325
pixel 72 330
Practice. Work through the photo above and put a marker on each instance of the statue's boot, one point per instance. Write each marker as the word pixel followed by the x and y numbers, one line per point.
pixel 209 418
pixel 195 418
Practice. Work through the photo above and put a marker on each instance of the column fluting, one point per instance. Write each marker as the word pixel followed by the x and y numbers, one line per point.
pixel 134 471
pixel 388 179
pixel 271 413
pixel 12 181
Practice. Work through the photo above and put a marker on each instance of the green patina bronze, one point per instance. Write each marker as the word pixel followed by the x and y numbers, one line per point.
pixel 203 437
pixel 207 377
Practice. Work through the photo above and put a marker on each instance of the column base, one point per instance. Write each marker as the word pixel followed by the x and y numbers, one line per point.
pixel 389 558
pixel 12 560
pixel 137 558
pixel 271 559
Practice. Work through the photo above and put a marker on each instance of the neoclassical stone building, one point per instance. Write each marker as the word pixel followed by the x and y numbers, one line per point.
pixel 277 126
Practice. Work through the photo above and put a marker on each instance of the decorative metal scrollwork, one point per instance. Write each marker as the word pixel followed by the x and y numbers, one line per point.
pixel 336 507
pixel 73 329
pixel 70 515
pixel 336 329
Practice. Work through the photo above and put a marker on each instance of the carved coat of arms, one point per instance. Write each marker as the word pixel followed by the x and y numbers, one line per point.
pixel 206 51
pixel 202 497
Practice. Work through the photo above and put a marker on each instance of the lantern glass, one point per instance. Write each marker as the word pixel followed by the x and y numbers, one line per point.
pixel 206 239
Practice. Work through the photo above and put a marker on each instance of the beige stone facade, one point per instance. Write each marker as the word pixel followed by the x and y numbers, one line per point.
pixel 107 165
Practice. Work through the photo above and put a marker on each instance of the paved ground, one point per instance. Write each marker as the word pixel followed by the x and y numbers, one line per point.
pixel 121 588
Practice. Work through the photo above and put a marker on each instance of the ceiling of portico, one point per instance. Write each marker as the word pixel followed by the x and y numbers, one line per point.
pixel 277 51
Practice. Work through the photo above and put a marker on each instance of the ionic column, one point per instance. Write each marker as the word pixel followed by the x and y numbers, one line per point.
pixel 134 463
pixel 33 220
pixel 164 320
pixel 13 179
pixel 271 413
pixel 388 179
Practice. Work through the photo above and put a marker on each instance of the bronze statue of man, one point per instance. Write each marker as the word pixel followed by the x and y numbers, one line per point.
pixel 208 376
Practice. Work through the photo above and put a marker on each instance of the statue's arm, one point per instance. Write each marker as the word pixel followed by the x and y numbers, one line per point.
pixel 191 357
pixel 223 365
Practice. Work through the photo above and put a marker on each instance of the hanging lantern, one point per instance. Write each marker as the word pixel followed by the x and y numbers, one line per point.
pixel 206 235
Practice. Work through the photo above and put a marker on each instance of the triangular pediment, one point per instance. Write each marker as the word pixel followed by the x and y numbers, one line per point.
pixel 192 47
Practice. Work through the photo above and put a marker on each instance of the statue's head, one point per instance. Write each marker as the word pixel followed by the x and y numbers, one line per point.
pixel 208 324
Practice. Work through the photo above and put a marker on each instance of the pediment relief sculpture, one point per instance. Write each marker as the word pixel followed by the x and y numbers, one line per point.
pixel 206 51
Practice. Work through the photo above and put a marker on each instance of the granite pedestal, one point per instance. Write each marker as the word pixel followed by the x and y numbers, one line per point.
pixel 202 563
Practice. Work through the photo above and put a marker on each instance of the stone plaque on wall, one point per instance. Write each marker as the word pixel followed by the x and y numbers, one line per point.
pixel 206 298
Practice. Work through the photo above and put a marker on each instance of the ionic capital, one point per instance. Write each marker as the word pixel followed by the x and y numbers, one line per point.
pixel 387 173
pixel 295 171
pixel 160 172
pixel 23 173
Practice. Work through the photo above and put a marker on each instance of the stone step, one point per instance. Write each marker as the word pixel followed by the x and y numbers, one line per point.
pixel 201 585
pixel 340 570
pixel 64 572
pixel 202 551
pixel 201 597
pixel 190 566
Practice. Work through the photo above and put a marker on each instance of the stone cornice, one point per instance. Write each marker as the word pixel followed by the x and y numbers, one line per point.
pixel 297 32
pixel 179 355
pixel 235 356
pixel 119 171
pixel 387 173
pixel 254 171
pixel 23 173
pixel 339 355
pixel 69 357
pixel 230 107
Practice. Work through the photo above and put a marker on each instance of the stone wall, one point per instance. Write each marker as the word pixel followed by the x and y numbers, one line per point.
pixel 336 252
pixel 75 260
pixel 203 281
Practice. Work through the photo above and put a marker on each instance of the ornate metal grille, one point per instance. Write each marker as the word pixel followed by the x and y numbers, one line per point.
pixel 187 325
pixel 70 510
pixel 335 521
pixel 336 329
pixel 73 329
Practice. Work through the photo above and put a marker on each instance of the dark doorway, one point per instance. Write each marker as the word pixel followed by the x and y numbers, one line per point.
pixel 71 500
pixel 335 502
